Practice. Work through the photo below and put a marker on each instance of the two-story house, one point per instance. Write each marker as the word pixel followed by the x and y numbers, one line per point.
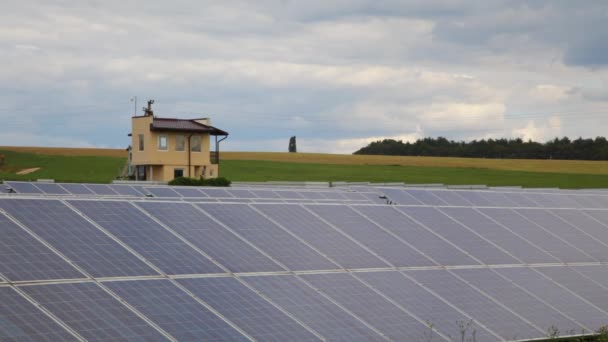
pixel 164 148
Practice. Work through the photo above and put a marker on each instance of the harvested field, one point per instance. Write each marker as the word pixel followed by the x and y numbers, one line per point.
pixel 67 151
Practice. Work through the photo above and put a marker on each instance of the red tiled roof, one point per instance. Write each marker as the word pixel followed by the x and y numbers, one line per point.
pixel 181 125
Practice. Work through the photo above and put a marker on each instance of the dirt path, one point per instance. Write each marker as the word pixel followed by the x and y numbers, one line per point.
pixel 26 171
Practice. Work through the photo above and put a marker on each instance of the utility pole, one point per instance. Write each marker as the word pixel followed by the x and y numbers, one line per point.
pixel 134 99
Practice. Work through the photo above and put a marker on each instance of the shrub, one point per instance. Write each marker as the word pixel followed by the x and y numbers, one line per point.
pixel 187 181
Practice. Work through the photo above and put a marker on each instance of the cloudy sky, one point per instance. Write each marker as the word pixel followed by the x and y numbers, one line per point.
pixel 335 73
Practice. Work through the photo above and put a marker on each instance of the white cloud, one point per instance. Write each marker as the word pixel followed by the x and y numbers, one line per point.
pixel 540 132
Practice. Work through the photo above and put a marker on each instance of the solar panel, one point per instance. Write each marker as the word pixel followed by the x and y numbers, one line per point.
pixel 450 197
pixel 146 237
pixel 216 193
pixel 92 313
pixel 521 302
pixel 102 189
pixel 267 236
pixel 22 257
pixel 24 188
pixel 424 303
pixel 425 197
pixel 322 236
pixel 162 192
pixel 474 245
pixel 22 321
pixel 370 235
pixel 422 239
pixel 310 307
pixel 476 198
pixel 77 189
pixel 536 235
pixel 507 240
pixel 175 311
pixel 125 190
pixel 264 193
pixel 380 313
pixel 218 242
pixel 483 309
pixel 247 310
pixel 189 192
pixel 561 299
pixel 289 194
pixel 401 197
pixel 567 233
pixel 51 189
pixel 76 238
pixel 241 193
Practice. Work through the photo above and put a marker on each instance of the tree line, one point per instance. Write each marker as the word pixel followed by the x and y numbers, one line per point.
pixel 564 148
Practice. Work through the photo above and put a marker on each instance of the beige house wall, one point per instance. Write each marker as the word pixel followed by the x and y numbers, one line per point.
pixel 162 163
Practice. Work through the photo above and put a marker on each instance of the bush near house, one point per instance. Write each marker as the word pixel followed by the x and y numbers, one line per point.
pixel 187 181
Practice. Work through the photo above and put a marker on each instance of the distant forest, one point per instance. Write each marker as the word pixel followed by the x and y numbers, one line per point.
pixel 564 148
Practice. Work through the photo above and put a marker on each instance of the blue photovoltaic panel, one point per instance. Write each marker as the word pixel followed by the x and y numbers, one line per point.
pixel 536 235
pixel 567 232
pixel 163 192
pixel 519 301
pixel 374 198
pixel 502 237
pixel 521 200
pixel 476 199
pixel 369 306
pixel 102 189
pixel 600 216
pixel 586 201
pixel 597 273
pixel 334 195
pixel 24 188
pixel 189 192
pixel 237 200
pixel 51 189
pixel 308 306
pixel 77 189
pixel 269 237
pixel 92 313
pixel 559 298
pixel 481 308
pixel 241 193
pixel 582 286
pixel 247 310
pixel 24 258
pixel 142 190
pixel 371 236
pixel 355 196
pixel 265 193
pixel 320 235
pixel 425 197
pixel 400 197
pixel 417 236
pixel 211 237
pixel 175 311
pixel 289 194
pixel 125 190
pixel 216 193
pixel 554 200
pixel 498 199
pixel 459 235
pixel 76 238
pixel 146 237
pixel 584 222
pixel 20 320
pixel 450 197
pixel 312 195
pixel 423 303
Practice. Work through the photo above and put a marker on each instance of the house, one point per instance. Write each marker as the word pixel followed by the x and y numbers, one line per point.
pixel 164 148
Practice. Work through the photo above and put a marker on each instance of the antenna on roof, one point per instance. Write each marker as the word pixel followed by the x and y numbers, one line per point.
pixel 148 111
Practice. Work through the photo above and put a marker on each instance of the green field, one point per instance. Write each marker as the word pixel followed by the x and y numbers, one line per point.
pixel 102 166
pixel 89 169
pixel 256 171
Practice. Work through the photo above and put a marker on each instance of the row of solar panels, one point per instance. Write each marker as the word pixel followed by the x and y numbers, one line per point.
pixel 171 192
pixel 490 304
pixel 105 238
pixel 486 198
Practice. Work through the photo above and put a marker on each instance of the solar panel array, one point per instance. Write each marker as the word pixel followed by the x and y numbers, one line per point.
pixel 436 264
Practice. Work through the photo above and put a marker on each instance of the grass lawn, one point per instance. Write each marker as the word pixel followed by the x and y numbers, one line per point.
pixel 256 170
pixel 61 168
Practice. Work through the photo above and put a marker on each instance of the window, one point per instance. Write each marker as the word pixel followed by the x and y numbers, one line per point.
pixel 141 142
pixel 180 143
pixel 195 144
pixel 162 142
pixel 178 173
